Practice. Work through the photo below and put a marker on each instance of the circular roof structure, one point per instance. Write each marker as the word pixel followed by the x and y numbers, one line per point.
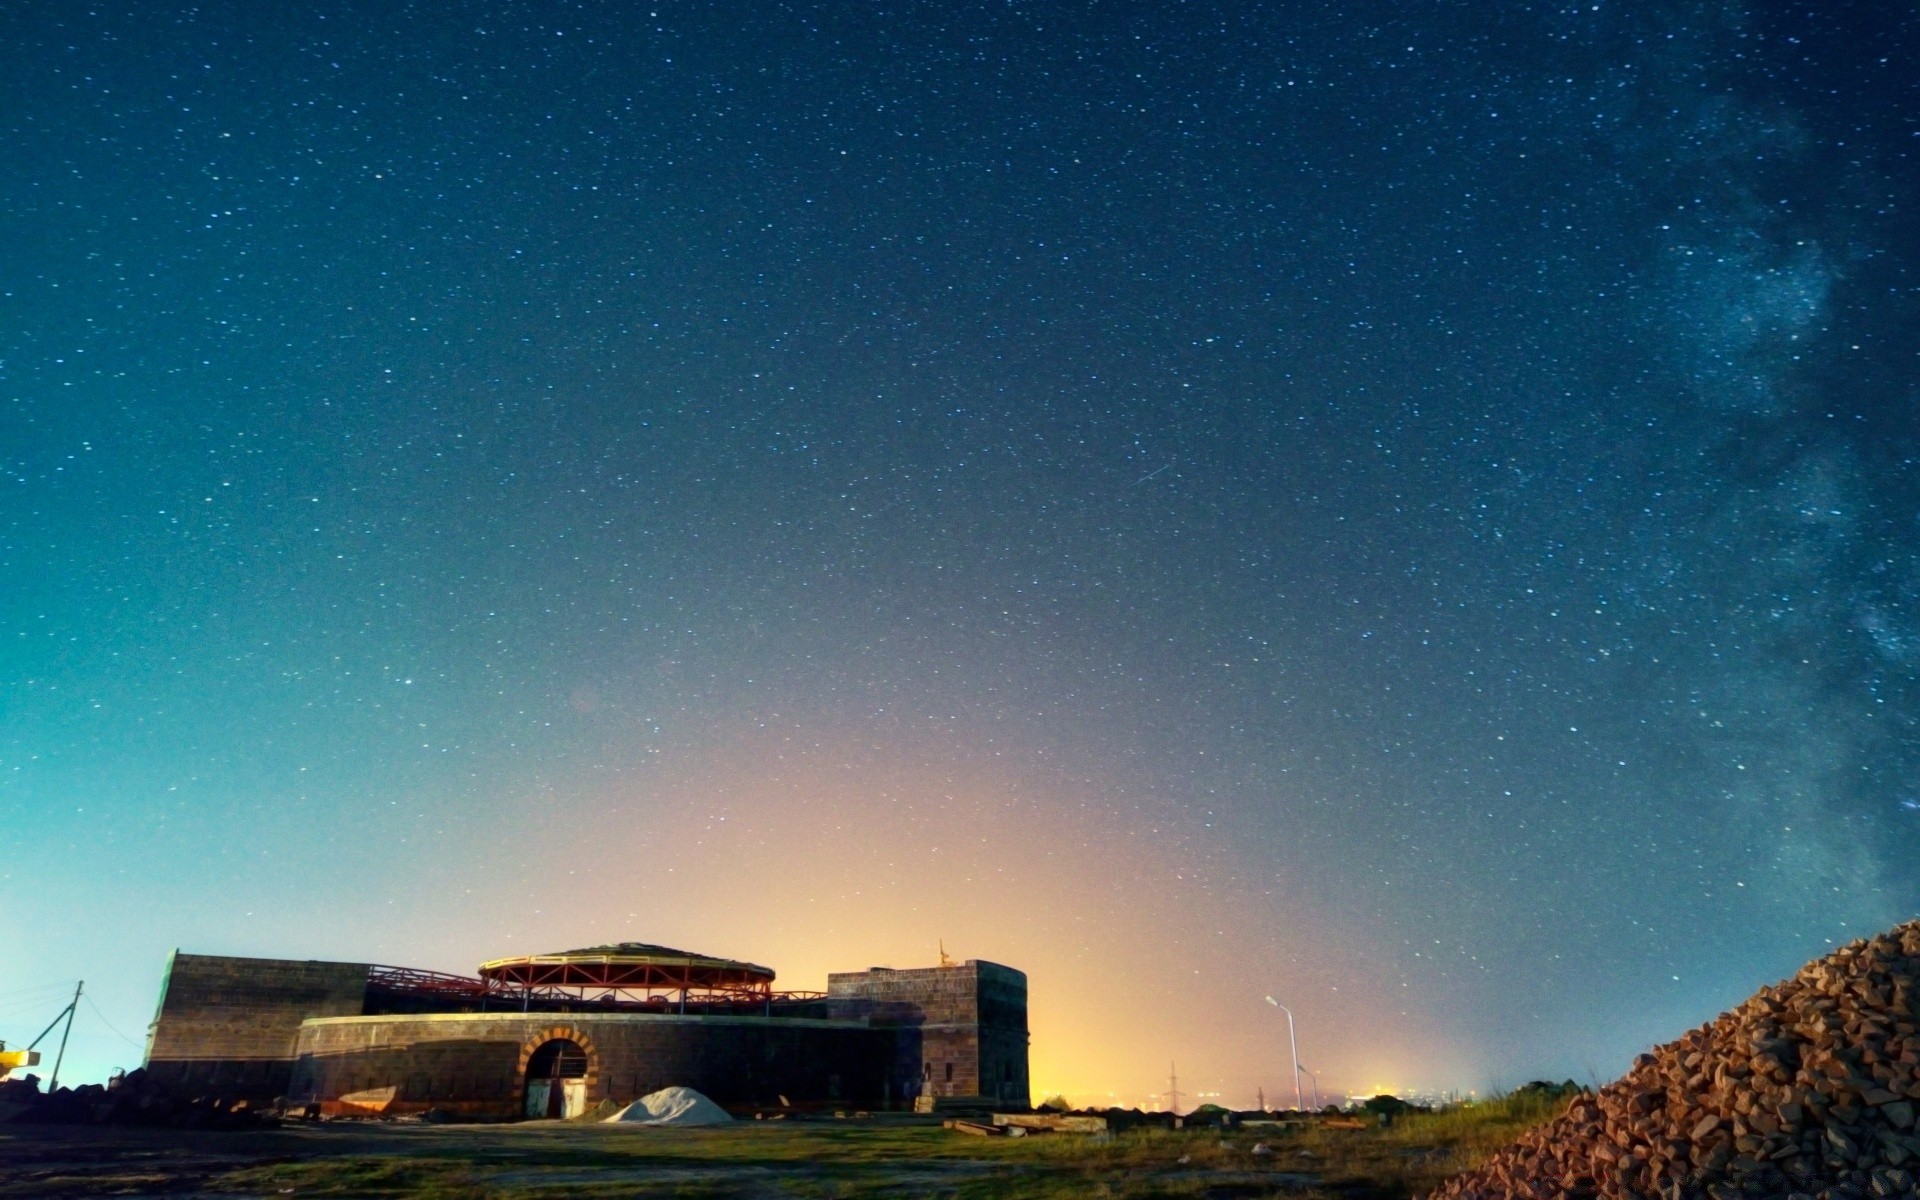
pixel 630 966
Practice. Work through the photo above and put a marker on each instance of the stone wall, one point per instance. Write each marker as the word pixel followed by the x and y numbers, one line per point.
pixel 258 1029
pixel 228 1026
pixel 961 1030
pixel 1004 1039
pixel 476 1062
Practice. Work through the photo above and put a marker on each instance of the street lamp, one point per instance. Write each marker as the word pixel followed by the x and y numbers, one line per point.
pixel 1293 1049
pixel 1316 1084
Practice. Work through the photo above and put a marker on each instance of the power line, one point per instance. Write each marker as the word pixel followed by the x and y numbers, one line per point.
pixel 27 1012
pixel 25 1001
pixel 59 986
pixel 47 995
pixel 109 1024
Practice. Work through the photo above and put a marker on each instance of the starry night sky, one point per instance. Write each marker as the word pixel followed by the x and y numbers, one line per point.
pixel 1410 508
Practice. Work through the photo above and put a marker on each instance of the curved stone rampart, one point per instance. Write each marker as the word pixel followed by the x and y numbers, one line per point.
pixel 475 1063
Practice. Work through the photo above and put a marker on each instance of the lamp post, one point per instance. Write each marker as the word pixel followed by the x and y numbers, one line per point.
pixel 1316 1084
pixel 1293 1052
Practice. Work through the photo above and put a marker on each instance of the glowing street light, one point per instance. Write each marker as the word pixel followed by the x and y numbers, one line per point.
pixel 1293 1049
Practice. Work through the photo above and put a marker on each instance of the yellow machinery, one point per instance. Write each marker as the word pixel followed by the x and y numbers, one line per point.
pixel 10 1059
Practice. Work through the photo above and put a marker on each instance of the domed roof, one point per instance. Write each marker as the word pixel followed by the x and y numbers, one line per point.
pixel 627 965
pixel 628 948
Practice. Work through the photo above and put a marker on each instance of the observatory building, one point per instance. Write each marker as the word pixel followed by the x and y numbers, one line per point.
pixel 553 1035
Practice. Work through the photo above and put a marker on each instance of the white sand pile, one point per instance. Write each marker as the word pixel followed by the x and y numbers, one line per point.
pixel 672 1106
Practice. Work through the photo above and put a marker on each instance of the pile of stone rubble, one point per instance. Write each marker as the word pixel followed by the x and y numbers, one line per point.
pixel 129 1099
pixel 1807 1089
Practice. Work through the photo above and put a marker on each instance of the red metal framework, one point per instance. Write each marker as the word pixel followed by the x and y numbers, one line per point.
pixel 428 983
pixel 701 1004
pixel 633 971
pixel 628 977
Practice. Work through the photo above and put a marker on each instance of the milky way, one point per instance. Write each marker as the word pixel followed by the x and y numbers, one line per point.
pixel 1408 508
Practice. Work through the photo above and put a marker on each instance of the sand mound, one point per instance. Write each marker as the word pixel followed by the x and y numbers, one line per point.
pixel 1807 1089
pixel 672 1106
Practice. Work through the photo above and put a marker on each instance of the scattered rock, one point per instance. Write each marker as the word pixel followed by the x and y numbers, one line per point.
pixel 129 1099
pixel 1804 1092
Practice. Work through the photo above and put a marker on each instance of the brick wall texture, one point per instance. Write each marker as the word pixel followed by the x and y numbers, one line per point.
pixel 260 1029
pixel 477 1062
pixel 962 1029
pixel 228 1026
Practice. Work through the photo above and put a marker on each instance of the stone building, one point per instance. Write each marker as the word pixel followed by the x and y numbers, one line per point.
pixel 958 1031
pixel 554 1035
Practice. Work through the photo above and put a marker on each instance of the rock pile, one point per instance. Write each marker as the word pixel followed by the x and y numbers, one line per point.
pixel 1806 1090
pixel 130 1099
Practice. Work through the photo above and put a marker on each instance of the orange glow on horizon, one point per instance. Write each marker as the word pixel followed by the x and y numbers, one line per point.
pixel 1142 938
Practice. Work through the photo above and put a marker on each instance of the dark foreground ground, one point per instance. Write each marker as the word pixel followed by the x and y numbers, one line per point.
pixel 750 1161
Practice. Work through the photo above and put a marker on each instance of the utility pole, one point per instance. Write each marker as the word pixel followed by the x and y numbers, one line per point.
pixel 72 1008
pixel 1263 1099
pixel 1293 1052
pixel 1173 1090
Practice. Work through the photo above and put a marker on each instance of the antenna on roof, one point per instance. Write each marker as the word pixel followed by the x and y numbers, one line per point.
pixel 944 960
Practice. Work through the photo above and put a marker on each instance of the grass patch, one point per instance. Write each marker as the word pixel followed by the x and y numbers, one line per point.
pixel 1421 1149
pixel 428 1179
pixel 869 1161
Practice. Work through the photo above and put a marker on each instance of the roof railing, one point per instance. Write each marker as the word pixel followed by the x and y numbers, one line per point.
pixel 413 981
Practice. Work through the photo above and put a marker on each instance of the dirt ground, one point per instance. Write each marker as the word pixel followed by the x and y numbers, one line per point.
pixel 844 1160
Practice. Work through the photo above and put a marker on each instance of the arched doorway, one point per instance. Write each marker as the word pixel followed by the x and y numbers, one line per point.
pixel 557 1079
